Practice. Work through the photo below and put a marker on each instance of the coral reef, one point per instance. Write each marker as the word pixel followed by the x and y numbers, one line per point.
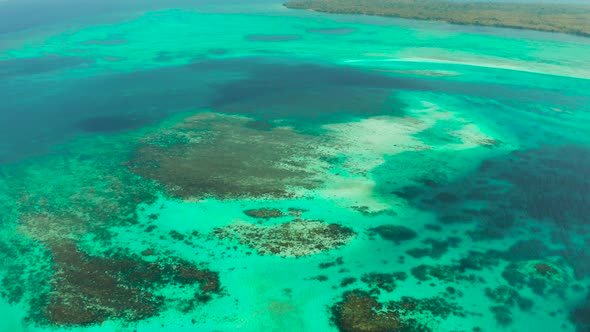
pixel 382 281
pixel 212 155
pixel 505 298
pixel 87 290
pixel 393 233
pixel 428 307
pixel 476 260
pixel 446 273
pixel 348 281
pixel 366 211
pixel 295 238
pixel 539 276
pixel 544 269
pixel 24 266
pixel 508 189
pixel 360 311
pixel 437 247
pixel 336 262
pixel 264 213
pixel 85 195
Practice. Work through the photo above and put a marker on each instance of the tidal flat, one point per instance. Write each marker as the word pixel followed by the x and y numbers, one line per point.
pixel 247 167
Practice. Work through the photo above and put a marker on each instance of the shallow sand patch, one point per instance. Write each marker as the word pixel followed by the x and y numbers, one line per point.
pixel 366 141
pixel 432 73
pixel 351 192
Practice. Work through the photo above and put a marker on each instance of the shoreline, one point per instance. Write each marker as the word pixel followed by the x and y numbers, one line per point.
pixel 434 11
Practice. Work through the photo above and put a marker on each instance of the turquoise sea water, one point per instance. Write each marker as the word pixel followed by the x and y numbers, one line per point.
pixel 230 166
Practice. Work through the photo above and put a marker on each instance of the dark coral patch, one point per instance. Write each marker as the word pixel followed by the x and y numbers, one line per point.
pixel 437 248
pixel 382 281
pixel 476 260
pixel 367 212
pixel 87 290
pixel 504 298
pixel 540 277
pixel 545 269
pixel 326 265
pixel 434 306
pixel 394 233
pixel 360 311
pixel 264 213
pixel 432 227
pixel 295 212
pixel 527 250
pixel 446 197
pixel 320 278
pixel 446 273
pixel 348 281
pixel 546 186
pixel 561 196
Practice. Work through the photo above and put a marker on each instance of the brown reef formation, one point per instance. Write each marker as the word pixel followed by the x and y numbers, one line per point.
pixel 393 233
pixel 213 155
pixel 87 290
pixel 295 238
pixel 264 213
pixel 382 281
pixel 361 312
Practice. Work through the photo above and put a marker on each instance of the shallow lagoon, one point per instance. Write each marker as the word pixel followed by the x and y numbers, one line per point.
pixel 226 167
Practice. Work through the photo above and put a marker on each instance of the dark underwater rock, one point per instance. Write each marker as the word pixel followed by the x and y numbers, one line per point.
pixel 394 233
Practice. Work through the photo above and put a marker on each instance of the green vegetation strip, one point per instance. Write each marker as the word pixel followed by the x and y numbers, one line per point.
pixel 565 18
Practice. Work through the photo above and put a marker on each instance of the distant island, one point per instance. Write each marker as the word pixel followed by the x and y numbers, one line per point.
pixel 551 17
